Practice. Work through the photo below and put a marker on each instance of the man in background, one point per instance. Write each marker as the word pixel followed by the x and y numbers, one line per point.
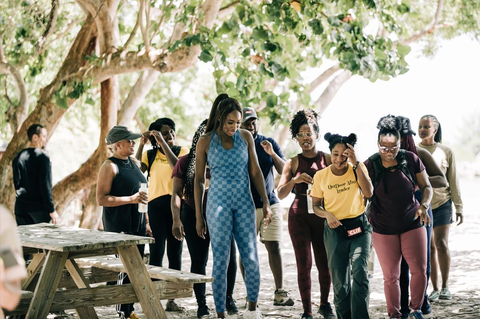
pixel 32 177
pixel 269 155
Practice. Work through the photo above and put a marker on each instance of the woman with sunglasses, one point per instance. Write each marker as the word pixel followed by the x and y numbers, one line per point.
pixel 397 218
pixel 337 197
pixel 306 229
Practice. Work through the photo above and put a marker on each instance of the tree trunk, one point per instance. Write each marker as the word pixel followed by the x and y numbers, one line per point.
pixel 92 213
pixel 46 112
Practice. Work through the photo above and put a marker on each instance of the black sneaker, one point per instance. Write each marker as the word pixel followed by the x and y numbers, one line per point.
pixel 203 311
pixel 307 316
pixel 426 307
pixel 326 311
pixel 231 306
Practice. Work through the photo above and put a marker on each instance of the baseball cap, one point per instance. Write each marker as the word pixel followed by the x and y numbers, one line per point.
pixel 118 133
pixel 249 113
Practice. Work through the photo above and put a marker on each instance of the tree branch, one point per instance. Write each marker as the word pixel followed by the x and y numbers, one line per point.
pixel 136 96
pixel 431 28
pixel 323 77
pixel 49 29
pixel 332 89
pixel 142 27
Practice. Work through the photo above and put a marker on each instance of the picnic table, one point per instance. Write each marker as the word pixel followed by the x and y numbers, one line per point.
pixel 55 248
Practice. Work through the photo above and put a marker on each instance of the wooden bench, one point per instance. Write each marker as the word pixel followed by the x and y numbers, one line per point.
pixel 171 284
pixel 114 264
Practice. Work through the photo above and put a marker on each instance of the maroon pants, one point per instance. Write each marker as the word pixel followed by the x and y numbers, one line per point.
pixel 306 231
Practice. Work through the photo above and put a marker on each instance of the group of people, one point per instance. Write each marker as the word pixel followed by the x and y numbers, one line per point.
pixel 341 208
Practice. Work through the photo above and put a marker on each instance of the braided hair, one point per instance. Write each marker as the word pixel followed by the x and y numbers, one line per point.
pixel 438 136
pixel 190 174
pixel 309 117
pixel 389 125
pixel 334 139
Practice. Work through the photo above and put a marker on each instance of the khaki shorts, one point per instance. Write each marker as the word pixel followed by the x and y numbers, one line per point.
pixel 272 232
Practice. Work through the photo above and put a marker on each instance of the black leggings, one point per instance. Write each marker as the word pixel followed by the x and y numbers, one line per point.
pixel 198 249
pixel 160 218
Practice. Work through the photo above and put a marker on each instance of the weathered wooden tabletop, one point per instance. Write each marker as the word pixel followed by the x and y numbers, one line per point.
pixel 68 239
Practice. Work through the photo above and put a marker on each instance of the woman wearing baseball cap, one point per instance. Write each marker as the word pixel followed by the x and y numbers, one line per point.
pixel 118 186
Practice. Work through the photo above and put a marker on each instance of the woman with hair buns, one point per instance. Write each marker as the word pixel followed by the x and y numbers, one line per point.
pixel 397 218
pixel 430 131
pixel 306 229
pixel 337 196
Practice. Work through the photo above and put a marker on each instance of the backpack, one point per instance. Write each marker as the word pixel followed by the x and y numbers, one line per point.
pixel 153 152
pixel 378 170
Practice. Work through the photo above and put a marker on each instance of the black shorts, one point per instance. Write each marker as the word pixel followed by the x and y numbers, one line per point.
pixel 32 218
pixel 443 215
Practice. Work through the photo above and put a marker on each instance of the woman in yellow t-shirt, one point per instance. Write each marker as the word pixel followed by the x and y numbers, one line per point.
pixel 337 197
pixel 160 167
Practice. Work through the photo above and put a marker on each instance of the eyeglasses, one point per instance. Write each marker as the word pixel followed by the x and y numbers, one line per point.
pixel 302 135
pixel 384 149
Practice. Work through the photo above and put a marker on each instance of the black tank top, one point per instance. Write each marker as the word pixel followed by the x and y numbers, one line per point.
pixel 125 218
pixel 309 166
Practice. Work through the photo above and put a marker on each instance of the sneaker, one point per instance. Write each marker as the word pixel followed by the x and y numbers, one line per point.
pixel 426 307
pixel 172 306
pixel 306 315
pixel 133 316
pixel 203 311
pixel 434 295
pixel 445 294
pixel 326 311
pixel 256 314
pixel 416 314
pixel 232 308
pixel 281 298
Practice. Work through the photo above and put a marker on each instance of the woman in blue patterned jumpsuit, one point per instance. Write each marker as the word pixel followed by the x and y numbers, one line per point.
pixel 230 211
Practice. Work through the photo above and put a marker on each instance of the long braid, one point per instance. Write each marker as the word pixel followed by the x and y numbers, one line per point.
pixel 190 174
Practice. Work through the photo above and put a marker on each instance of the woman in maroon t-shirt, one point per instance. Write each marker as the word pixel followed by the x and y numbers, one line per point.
pixel 397 217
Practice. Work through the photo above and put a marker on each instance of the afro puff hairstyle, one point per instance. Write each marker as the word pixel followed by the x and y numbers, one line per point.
pixel 334 139
pixel 389 125
pixel 302 117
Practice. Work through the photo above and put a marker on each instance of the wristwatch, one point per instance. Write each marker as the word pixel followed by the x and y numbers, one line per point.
pixel 425 205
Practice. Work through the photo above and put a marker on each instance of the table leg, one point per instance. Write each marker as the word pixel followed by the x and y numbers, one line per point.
pixel 47 285
pixel 33 267
pixel 141 282
pixel 83 312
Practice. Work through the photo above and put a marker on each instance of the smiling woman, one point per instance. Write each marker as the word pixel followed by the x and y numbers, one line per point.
pixel 230 208
pixel 306 229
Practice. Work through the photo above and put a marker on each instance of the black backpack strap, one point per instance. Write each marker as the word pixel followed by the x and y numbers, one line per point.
pixel 403 166
pixel 377 169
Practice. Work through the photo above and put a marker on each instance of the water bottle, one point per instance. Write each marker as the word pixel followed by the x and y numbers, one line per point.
pixel 309 200
pixel 142 208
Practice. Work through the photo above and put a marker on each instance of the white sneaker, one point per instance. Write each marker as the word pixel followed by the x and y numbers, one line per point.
pixel 256 314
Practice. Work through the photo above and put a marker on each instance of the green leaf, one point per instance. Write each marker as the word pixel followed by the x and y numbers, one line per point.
pixel 259 34
pixel 62 102
pixel 205 56
pixel 271 99
pixel 316 26
pixel 403 50
pixel 90 101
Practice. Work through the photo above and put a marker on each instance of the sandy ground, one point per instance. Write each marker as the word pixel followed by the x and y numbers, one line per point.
pixel 464 276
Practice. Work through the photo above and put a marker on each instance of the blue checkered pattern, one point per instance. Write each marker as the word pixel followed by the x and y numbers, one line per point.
pixel 230 210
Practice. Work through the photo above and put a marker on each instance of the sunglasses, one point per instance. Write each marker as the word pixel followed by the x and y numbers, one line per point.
pixel 384 149
pixel 302 135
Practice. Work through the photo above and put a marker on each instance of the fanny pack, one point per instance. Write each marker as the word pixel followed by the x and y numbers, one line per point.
pixel 352 227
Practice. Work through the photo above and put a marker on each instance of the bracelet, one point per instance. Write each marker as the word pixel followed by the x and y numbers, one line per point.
pixel 356 165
